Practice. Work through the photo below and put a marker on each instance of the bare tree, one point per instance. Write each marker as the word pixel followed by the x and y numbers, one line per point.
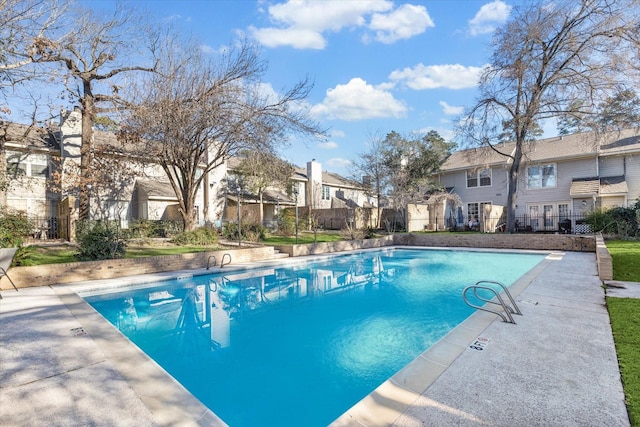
pixel 23 23
pixel 261 170
pixel 371 170
pixel 196 113
pixel 553 59
pixel 95 54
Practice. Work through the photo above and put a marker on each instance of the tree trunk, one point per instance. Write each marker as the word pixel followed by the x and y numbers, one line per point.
pixel 513 188
pixel 4 182
pixel 86 150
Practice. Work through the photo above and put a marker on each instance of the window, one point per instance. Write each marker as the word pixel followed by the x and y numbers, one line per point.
pixel 27 165
pixel 40 170
pixel 482 176
pixel 474 210
pixel 548 215
pixel 534 221
pixel 542 176
pixel 563 211
pixel 326 192
pixel 472 179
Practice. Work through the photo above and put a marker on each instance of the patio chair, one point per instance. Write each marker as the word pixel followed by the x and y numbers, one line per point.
pixel 6 257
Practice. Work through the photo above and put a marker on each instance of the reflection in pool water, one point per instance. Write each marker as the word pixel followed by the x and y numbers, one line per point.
pixel 299 344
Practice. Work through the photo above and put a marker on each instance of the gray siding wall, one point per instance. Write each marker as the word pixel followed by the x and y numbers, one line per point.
pixel 565 173
pixel 611 166
pixel 496 193
pixel 633 178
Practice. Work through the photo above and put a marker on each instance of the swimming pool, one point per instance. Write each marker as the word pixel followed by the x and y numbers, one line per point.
pixel 299 344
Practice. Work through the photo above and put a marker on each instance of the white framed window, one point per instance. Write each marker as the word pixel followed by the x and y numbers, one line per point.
pixel 474 210
pixel 34 165
pixel 541 176
pixel 326 192
pixel 479 178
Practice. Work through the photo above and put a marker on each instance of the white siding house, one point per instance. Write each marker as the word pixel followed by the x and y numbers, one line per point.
pixel 34 154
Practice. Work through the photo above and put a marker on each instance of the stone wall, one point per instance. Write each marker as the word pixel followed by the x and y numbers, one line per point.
pixel 603 258
pixel 328 247
pixel 44 275
pixel 561 242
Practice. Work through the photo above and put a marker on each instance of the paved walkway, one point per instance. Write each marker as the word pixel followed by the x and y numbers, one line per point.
pixel 62 365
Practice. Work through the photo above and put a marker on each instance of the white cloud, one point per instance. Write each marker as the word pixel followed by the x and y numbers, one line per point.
pixel 338 133
pixel 451 110
pixel 488 17
pixel 298 38
pixel 302 23
pixel 403 23
pixel 452 76
pixel 328 145
pixel 338 163
pixel 446 132
pixel 358 100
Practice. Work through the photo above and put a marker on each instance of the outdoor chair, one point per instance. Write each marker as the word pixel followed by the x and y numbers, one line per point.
pixel 6 257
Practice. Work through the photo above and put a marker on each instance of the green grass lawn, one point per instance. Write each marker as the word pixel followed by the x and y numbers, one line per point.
pixel 40 255
pixel 302 239
pixel 625 322
pixel 626 259
pixel 57 254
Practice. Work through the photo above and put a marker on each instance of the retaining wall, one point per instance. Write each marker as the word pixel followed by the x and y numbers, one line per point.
pixel 45 275
pixel 50 274
pixel 603 258
pixel 560 242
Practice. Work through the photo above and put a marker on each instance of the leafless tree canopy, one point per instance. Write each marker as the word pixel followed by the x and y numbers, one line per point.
pixel 560 58
pixel 196 113
pixel 94 54
pixel 23 24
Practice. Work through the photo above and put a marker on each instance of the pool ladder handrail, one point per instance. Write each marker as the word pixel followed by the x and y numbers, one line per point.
pixel 215 261
pixel 508 309
pixel 222 264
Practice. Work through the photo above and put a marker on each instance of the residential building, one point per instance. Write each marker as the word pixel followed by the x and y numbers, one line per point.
pixel 36 156
pixel 561 179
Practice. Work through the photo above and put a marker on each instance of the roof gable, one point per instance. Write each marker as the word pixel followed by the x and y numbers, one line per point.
pixel 576 146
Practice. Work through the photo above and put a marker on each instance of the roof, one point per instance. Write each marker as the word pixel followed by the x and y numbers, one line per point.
pixel 328 178
pixel 595 186
pixel 579 145
pixel 34 137
pixel 156 189
pixel 613 185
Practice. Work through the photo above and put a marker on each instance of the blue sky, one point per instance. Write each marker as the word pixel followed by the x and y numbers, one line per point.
pixel 377 66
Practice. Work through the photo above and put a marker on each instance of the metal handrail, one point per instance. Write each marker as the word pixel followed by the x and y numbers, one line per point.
pixel 507 310
pixel 222 264
pixel 514 310
pixel 215 261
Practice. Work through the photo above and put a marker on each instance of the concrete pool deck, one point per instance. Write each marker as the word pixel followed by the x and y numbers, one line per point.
pixel 62 364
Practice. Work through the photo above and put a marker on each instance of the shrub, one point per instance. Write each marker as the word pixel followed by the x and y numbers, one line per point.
pixel 145 228
pixel 287 222
pixel 100 242
pixel 250 232
pixel 14 227
pixel 349 232
pixel 618 221
pixel 202 236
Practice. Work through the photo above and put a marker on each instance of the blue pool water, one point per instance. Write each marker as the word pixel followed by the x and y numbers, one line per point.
pixel 301 343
